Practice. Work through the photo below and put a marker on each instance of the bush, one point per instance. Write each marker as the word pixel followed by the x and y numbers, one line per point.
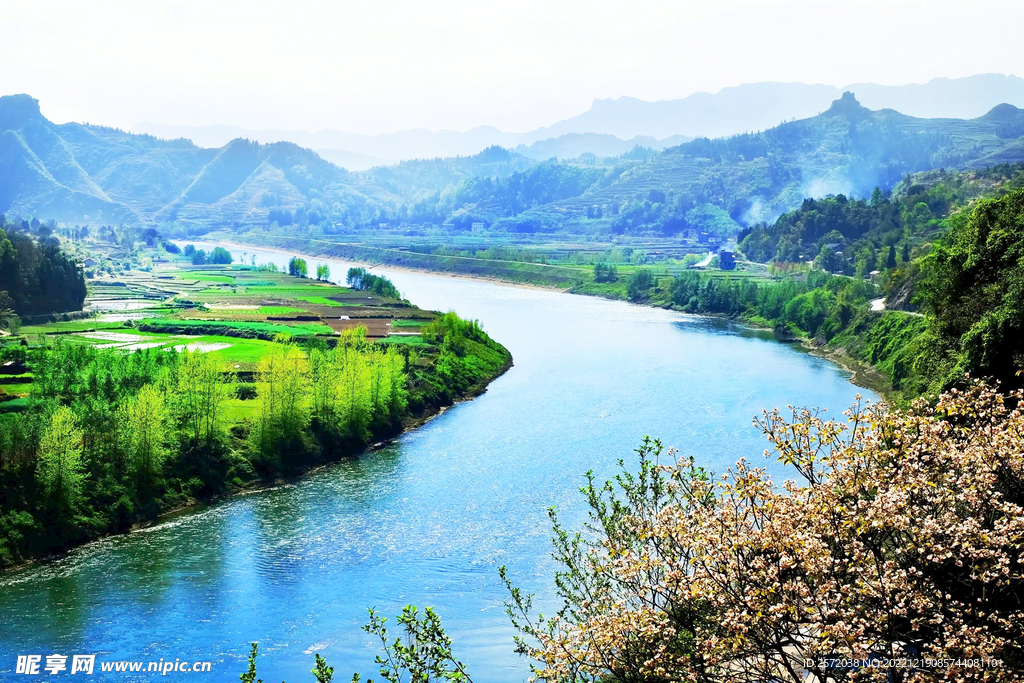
pixel 245 392
pixel 639 284
pixel 604 272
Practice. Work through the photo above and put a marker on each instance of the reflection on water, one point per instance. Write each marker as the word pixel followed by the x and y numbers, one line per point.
pixel 428 519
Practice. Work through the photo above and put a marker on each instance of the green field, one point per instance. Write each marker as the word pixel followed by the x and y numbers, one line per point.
pixel 233 313
pixel 295 329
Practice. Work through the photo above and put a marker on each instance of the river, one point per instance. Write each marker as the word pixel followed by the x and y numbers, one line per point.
pixel 429 519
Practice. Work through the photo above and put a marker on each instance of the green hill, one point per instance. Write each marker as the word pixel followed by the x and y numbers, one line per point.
pixel 858 236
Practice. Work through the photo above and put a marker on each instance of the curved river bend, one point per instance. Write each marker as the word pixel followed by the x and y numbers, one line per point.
pixel 429 519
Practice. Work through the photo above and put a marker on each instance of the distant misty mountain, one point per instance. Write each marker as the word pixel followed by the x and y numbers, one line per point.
pixel 356 152
pixel 719 185
pixel 94 174
pixel 614 126
pixel 759 106
pixel 574 145
pixel 359 151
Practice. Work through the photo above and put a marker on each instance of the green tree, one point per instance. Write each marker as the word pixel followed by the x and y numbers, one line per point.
pixel 298 267
pixel 361 279
pixel 8 317
pixel 220 255
pixel 605 272
pixel 424 652
pixel 828 260
pixel 59 469
pixel 323 272
pixel 890 260
pixel 283 412
pixel 145 434
pixel 865 261
pixel 876 197
pixel 199 394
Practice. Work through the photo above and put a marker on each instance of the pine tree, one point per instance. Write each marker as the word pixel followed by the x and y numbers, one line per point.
pixel 890 260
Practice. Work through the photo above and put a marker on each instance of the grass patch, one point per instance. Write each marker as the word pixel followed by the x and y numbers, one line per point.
pixel 15 406
pixel 205 277
pixel 404 340
pixel 321 301
pixel 176 326
pixel 241 351
pixel 236 410
pixel 279 310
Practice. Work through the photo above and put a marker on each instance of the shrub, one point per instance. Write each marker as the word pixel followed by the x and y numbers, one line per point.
pixel 639 283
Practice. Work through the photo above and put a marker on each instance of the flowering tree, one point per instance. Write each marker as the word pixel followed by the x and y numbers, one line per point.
pixel 896 556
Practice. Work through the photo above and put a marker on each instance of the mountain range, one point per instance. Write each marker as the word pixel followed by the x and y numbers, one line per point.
pixel 93 174
pixel 614 126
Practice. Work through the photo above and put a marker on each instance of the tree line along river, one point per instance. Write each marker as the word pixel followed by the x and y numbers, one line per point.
pixel 429 519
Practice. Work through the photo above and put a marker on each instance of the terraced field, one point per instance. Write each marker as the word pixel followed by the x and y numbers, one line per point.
pixel 233 312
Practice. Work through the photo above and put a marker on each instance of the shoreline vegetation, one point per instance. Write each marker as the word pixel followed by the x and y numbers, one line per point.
pixel 240 378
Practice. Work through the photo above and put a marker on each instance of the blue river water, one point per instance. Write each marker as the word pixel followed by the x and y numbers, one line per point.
pixel 429 519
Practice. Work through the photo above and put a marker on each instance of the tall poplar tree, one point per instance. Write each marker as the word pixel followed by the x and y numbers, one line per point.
pixel 146 434
pixel 59 468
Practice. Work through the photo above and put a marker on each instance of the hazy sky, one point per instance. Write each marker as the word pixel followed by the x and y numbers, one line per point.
pixel 386 65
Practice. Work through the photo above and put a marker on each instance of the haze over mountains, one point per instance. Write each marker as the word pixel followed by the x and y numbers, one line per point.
pixel 614 126
pixel 92 174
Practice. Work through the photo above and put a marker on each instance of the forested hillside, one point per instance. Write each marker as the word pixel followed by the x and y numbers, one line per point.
pixel 969 287
pixel 418 179
pixel 35 275
pixel 858 236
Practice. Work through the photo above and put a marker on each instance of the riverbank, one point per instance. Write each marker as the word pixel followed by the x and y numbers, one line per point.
pixel 515 272
pixel 295 385
pixel 862 373
pixel 257 486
